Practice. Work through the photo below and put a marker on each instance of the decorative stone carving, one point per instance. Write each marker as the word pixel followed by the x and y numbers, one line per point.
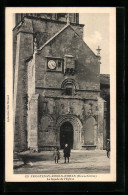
pixel 69 81
pixel 45 107
pixel 70 110
pixel 62 106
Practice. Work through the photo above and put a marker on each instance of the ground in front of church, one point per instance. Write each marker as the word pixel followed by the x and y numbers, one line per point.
pixel 81 162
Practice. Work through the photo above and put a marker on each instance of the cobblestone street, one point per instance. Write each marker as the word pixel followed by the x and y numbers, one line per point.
pixel 81 162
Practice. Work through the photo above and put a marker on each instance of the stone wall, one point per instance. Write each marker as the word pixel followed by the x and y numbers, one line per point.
pixel 39 93
pixel 87 67
pixel 33 123
pixel 101 130
pixel 43 30
pixel 105 94
pixel 57 111
pixel 24 49
pixel 31 77
pixel 82 106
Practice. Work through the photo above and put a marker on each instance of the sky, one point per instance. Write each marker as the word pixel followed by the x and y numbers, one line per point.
pixel 96 33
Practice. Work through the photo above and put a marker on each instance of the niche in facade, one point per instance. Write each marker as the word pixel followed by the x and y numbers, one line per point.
pixel 69 65
pixel 89 131
pixel 46 124
pixel 47 135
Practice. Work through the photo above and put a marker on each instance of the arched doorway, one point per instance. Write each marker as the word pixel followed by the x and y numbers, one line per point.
pixel 66 135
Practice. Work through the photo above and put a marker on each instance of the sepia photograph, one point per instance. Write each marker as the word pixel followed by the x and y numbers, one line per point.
pixel 60 94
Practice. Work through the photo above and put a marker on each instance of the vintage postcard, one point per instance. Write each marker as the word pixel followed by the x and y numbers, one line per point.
pixel 60 101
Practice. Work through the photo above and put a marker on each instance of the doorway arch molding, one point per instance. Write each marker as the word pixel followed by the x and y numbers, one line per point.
pixel 77 129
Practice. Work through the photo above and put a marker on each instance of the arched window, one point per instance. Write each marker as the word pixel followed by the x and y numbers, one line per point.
pixel 69 87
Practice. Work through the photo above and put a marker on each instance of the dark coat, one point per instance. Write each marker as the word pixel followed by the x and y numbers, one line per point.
pixel 108 146
pixel 66 151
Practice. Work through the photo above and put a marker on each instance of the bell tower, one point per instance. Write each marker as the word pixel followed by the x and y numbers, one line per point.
pixel 73 17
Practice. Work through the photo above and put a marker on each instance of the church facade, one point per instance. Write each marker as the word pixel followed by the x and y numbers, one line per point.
pixel 56 85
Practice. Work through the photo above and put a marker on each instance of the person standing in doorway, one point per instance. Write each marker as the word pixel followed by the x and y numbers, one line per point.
pixel 108 148
pixel 66 152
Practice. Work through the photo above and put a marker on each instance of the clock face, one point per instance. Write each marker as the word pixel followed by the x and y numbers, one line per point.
pixel 52 64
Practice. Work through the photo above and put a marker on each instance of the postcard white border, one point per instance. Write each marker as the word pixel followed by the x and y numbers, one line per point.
pixel 9 11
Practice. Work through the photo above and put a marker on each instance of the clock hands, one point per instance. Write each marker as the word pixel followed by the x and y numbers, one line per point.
pixel 51 64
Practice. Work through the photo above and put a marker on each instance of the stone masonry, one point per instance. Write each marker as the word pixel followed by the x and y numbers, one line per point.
pixel 56 86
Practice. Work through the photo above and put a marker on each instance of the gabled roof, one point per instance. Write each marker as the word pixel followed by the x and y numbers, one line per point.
pixel 54 37
pixel 66 26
